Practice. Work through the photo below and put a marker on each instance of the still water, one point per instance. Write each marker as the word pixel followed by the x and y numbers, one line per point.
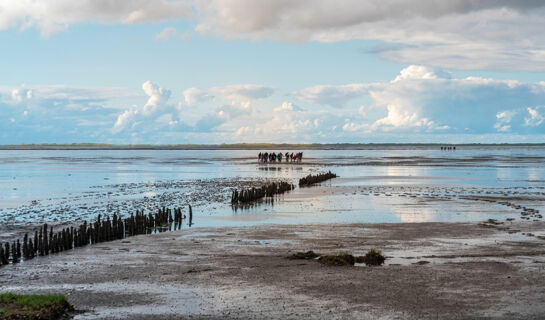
pixel 389 185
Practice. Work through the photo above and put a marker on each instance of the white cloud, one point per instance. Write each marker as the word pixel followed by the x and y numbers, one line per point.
pixel 287 106
pixel 243 91
pixel 59 96
pixel 153 109
pixel 415 72
pixel 423 100
pixel 420 104
pixel 166 34
pixel 56 15
pixel 334 96
pixel 463 34
pixel 193 96
pixel 535 119
pixel 170 33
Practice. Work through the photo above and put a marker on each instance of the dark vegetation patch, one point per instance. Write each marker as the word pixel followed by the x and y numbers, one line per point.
pixel 33 306
pixel 303 255
pixel 340 259
pixel 373 257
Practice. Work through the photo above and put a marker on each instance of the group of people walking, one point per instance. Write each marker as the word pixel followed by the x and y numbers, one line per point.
pixel 448 148
pixel 278 157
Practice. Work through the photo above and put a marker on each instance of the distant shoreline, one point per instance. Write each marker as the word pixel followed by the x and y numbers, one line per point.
pixel 267 146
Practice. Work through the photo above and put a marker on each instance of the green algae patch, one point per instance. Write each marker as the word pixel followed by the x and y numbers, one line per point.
pixel 340 259
pixel 309 255
pixel 33 306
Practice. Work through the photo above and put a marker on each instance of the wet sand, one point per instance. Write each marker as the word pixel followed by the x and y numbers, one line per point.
pixel 433 270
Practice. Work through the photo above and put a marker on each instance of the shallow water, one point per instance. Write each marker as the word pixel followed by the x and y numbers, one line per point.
pixel 390 185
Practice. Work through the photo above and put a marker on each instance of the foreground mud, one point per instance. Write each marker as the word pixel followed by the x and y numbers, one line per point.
pixel 433 270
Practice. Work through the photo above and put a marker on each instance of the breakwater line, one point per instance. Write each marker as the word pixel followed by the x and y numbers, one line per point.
pixel 46 241
pixel 312 179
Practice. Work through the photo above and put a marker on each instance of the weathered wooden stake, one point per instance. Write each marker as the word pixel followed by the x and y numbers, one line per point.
pixel 44 241
pixel 190 216
pixel 14 255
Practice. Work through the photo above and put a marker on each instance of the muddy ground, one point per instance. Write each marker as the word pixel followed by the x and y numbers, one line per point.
pixel 433 270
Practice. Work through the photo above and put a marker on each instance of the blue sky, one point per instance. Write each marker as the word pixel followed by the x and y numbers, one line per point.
pixel 166 72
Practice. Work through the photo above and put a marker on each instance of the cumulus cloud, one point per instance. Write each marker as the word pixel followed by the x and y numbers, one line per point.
pixel 48 113
pixel 56 15
pixel 157 101
pixel 288 123
pixel 420 104
pixel 287 106
pixel 420 99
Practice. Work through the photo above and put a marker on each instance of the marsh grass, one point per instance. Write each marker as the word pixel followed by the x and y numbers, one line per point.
pixel 33 306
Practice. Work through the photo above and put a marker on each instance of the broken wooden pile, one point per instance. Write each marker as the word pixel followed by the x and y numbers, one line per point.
pixel 253 194
pixel 46 241
pixel 312 179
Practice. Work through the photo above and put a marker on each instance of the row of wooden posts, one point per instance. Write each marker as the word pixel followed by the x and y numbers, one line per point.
pixel 252 194
pixel 47 241
pixel 312 179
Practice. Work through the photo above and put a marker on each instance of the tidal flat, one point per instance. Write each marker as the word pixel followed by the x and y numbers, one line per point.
pixel 462 232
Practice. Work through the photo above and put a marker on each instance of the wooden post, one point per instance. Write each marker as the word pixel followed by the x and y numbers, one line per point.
pixel 18 250
pixel 31 253
pixel 50 237
pixel 6 252
pixel 25 246
pixel 44 241
pixel 35 249
pixel 190 216
pixel 41 243
pixel 14 256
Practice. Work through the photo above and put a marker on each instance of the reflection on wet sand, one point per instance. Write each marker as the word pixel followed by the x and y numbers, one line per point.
pixel 375 185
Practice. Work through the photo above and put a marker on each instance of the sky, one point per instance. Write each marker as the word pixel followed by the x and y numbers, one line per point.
pixel 294 71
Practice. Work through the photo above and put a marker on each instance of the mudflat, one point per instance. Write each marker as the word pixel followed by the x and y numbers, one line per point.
pixel 433 270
